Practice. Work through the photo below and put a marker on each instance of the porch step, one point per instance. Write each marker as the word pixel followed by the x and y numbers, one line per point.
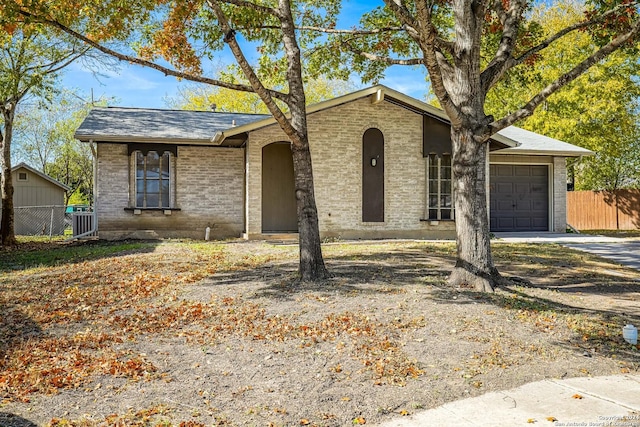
pixel 282 238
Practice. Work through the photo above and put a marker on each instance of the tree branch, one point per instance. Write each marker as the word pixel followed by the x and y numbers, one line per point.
pixel 435 61
pixel 528 109
pixel 353 32
pixel 384 59
pixel 401 11
pixel 249 73
pixel 254 6
pixel 494 72
pixel 53 67
pixel 510 20
pixel 60 65
pixel 580 25
pixel 145 63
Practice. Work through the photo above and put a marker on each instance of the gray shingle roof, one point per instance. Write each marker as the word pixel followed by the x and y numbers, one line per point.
pixel 118 124
pixel 535 143
pixel 139 124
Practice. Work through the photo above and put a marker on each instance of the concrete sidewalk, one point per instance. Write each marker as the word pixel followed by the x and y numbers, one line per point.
pixel 601 401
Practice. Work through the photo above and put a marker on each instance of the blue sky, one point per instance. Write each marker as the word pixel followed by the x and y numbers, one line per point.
pixel 136 86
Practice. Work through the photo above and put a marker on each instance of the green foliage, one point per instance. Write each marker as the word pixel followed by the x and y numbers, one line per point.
pixel 44 140
pixel 31 57
pixel 18 52
pixel 625 13
pixel 31 255
pixel 598 111
pixel 202 97
pixel 387 41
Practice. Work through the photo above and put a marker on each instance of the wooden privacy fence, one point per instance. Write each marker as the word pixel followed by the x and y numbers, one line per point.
pixel 604 210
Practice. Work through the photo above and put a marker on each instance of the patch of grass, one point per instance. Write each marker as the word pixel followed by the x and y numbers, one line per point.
pixel 28 255
pixel 597 331
pixel 105 294
pixel 546 254
pixel 39 239
pixel 519 301
pixel 613 233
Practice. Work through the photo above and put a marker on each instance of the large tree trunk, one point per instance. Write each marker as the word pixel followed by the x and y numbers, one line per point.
pixel 311 261
pixel 474 263
pixel 7 233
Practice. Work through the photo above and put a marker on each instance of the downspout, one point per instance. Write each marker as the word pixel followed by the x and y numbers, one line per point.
pixel 245 190
pixel 487 183
pixel 94 153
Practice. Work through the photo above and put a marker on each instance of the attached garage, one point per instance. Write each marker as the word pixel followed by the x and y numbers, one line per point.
pixel 519 197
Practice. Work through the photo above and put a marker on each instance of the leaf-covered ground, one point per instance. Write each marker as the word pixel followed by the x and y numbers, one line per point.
pixel 199 334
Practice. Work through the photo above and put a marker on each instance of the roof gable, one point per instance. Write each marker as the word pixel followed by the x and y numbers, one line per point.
pixel 119 124
pixel 44 176
pixel 377 94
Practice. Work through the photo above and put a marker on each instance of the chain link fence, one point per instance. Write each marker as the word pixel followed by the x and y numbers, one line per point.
pixel 41 220
pixel 52 221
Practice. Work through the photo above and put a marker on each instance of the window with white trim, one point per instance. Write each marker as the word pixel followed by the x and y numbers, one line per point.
pixel 439 187
pixel 153 179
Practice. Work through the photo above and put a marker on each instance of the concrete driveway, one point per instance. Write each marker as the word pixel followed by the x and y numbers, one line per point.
pixel 622 251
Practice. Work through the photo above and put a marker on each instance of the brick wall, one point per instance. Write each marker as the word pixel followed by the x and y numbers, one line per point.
pixel 210 181
pixel 208 190
pixel 336 149
pixel 559 194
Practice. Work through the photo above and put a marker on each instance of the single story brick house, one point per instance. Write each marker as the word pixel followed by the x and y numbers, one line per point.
pixel 381 165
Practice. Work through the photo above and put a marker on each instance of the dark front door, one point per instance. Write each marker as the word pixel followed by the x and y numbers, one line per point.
pixel 278 190
pixel 519 196
pixel 373 176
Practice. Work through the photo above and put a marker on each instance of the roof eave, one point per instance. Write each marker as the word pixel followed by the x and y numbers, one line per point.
pixel 379 92
pixel 141 140
pixel 560 153
pixel 314 108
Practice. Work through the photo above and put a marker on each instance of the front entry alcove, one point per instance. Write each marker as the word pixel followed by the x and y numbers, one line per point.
pixel 279 213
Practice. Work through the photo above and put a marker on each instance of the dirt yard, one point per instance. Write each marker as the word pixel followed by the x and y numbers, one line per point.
pixel 195 334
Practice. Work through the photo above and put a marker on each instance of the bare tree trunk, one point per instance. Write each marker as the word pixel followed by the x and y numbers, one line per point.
pixel 474 262
pixel 7 232
pixel 312 265
pixel 311 261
